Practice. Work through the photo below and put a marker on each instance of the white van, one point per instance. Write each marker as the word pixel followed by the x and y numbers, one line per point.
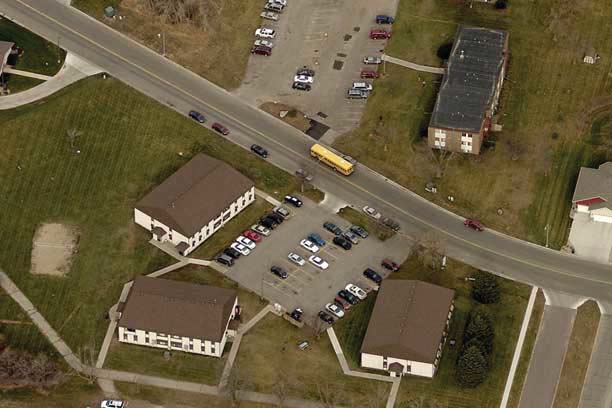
pixel 362 86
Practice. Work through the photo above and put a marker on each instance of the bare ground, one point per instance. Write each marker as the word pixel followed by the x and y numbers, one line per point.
pixel 52 249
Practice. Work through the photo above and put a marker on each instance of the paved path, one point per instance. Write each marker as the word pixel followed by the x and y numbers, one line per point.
pixel 519 347
pixel 267 197
pixel 547 358
pixel 10 70
pixel 597 392
pixel 73 70
pixel 411 65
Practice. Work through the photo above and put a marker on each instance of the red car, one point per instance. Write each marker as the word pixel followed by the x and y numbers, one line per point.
pixel 343 303
pixel 252 235
pixel 220 128
pixel 261 50
pixel 390 265
pixel 473 224
pixel 378 34
pixel 369 74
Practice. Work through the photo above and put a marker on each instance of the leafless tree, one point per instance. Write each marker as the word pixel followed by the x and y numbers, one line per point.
pixel 282 387
pixel 441 160
pixel 19 369
pixel 377 395
pixel 87 355
pixel 73 135
pixel 328 395
pixel 236 381
pixel 187 11
pixel 430 248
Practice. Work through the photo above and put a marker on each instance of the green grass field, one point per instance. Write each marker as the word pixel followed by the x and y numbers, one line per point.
pixel 443 390
pixel 544 99
pixel 128 143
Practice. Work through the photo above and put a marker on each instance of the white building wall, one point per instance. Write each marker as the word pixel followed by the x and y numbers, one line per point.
pixel 416 368
pixel 601 218
pixel 582 208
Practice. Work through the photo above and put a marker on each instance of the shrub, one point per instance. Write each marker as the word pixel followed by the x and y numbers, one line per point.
pixel 486 288
pixel 472 368
pixel 501 4
pixel 444 51
pixel 479 327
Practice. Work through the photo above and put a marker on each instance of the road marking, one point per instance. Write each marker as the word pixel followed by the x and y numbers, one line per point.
pixel 301 156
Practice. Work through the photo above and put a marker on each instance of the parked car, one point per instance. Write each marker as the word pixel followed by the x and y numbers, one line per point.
pixel 473 224
pixel 277 218
pixel 362 86
pixel 368 73
pixel 260 151
pixel 282 211
pixel 265 43
pixel 197 116
pixel 280 272
pixel 357 94
pixel 240 248
pixel 372 60
pixel 351 236
pixel 316 238
pixel 390 265
pixel 359 231
pixel 246 242
pixel 231 252
pixel 301 86
pixel 303 174
pixel 220 128
pixel 318 262
pixel 335 310
pixel 260 229
pixel 391 224
pixel 261 50
pixel 379 34
pixel 269 15
pixel 356 290
pixel 372 212
pixel 252 235
pixel 113 404
pixel 265 32
pixel 383 19
pixel 293 200
pixel 333 228
pixel 297 314
pixel 343 243
pixel 268 223
pixel 342 302
pixel 272 6
pixel 303 78
pixel 296 259
pixel 349 297
pixel 305 71
pixel 281 2
pixel 325 317
pixel 373 276
pixel 309 246
pixel 226 260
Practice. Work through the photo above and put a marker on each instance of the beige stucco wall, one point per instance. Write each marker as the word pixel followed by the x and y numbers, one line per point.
pixel 416 368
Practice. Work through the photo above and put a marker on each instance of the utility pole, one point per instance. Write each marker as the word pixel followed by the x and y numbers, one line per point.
pixel 162 35
pixel 547 229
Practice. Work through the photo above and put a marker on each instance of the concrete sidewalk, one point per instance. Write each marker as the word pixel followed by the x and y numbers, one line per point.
pixel 597 388
pixel 411 65
pixel 11 70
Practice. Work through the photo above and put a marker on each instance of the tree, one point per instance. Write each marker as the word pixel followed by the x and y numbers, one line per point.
pixel 479 327
pixel 327 394
pixel 19 370
pixel 73 135
pixel 472 368
pixel 441 159
pixel 236 381
pixel 282 387
pixel 501 4
pixel 430 249
pixel 485 288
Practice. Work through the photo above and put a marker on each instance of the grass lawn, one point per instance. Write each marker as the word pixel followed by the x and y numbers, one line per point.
pixel 356 217
pixel 129 143
pixel 74 393
pixel 294 117
pixel 40 56
pixel 162 396
pixel 578 356
pixel 270 359
pixel 216 47
pixel 543 109
pixel 530 337
pixel 507 316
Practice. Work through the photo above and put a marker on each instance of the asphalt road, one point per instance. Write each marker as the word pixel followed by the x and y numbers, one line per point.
pixel 183 90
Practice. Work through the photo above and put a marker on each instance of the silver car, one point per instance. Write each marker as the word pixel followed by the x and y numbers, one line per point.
pixel 296 259
pixel 268 15
pixel 372 60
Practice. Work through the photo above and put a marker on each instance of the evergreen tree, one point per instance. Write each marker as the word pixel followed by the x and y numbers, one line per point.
pixel 472 368
pixel 479 327
pixel 486 288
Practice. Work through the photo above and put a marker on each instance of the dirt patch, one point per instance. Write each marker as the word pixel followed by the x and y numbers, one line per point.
pixel 52 249
pixel 292 116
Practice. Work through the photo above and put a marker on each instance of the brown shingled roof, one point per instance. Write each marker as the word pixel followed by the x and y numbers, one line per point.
pixel 178 308
pixel 408 320
pixel 195 194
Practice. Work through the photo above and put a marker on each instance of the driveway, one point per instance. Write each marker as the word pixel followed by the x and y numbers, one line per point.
pixel 591 239
pixel 331 36
pixel 307 286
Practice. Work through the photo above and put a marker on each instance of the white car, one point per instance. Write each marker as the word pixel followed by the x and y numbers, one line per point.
pixel 318 262
pixel 246 242
pixel 240 248
pixel 269 15
pixel 265 33
pixel 371 211
pixel 264 43
pixel 356 290
pixel 305 79
pixel 335 310
pixel 112 404
pixel 296 259
pixel 260 229
pixel 309 245
pixel 281 2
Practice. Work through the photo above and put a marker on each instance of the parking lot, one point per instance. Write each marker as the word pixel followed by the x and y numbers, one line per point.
pixel 330 36
pixel 307 286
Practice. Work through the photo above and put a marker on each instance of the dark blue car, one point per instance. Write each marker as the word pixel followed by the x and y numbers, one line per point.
pixel 197 116
pixel 316 238
pixel 382 19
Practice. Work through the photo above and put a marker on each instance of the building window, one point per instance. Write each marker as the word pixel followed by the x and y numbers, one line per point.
pixel 125 337
pixel 161 335
pixel 227 216
pixel 190 346
pixel 384 363
pixel 408 368
pixel 147 340
pixel 218 224
pixel 136 338
pixel 176 344
pixel 212 348
pixel 176 337
pixel 162 342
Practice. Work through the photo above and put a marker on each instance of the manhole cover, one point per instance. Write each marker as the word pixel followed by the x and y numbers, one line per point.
pixel 341 55
pixel 356 29
pixel 347 37
pixel 338 65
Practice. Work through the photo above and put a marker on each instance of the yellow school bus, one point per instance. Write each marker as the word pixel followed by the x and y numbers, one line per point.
pixel 330 158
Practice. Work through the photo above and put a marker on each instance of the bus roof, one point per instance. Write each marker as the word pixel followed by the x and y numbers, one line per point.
pixel 331 156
